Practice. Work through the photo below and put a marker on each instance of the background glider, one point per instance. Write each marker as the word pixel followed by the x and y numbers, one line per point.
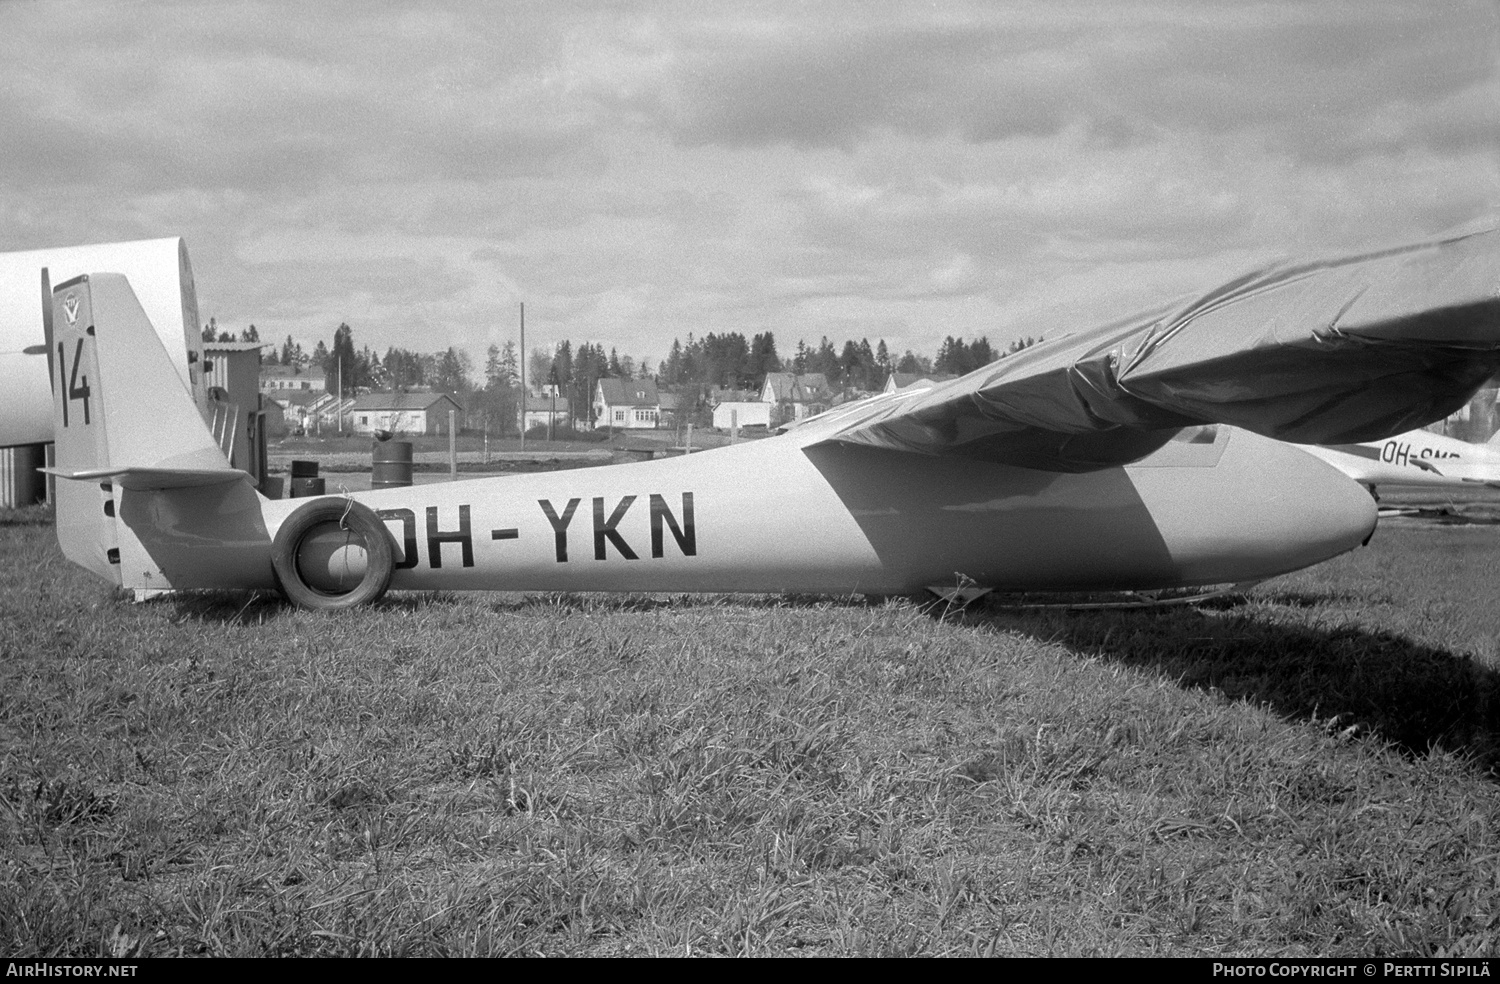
pixel 1417 458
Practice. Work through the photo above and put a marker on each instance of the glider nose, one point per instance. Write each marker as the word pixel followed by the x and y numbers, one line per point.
pixel 1265 508
pixel 1300 510
pixel 1341 513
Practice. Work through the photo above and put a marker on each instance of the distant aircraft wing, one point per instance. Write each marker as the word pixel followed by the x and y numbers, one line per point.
pixel 1334 352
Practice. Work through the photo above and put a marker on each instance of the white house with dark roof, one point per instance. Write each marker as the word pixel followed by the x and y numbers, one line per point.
pixel 402 413
pixel 804 395
pixel 628 404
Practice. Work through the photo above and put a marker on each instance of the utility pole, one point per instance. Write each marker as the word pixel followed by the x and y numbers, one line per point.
pixel 523 375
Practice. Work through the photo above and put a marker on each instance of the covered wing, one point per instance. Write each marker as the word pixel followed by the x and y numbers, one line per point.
pixel 1340 351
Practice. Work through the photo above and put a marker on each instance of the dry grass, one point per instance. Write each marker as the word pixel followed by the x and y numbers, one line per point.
pixel 1308 772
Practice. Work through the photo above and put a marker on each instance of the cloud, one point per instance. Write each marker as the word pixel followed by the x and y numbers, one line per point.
pixel 1301 75
pixel 637 172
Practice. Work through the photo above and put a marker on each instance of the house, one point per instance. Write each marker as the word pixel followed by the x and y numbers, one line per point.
pixel 903 380
pixel 799 396
pixel 402 413
pixel 545 410
pixel 627 404
pixel 742 414
pixel 276 380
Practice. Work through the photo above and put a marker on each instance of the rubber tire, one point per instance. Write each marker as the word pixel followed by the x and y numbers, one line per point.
pixel 379 555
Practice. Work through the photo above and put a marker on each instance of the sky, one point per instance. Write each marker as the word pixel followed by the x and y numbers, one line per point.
pixel 638 171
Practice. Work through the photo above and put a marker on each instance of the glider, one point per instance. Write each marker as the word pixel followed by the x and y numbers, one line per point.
pixel 1417 458
pixel 1144 454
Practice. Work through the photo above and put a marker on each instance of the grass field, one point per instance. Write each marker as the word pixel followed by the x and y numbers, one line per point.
pixel 1311 770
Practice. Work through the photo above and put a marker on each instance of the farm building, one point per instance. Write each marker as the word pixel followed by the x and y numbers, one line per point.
pixel 402 413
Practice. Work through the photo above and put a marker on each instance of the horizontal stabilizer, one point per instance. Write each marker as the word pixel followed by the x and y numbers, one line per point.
pixel 154 478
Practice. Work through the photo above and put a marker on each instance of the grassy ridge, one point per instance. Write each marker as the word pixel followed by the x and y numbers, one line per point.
pixel 1310 771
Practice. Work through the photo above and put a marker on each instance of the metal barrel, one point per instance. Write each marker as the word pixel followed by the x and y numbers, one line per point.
pixel 390 464
pixel 20 482
pixel 304 469
pixel 305 488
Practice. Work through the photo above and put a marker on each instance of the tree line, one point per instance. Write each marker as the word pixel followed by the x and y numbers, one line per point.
pixel 729 362
pixel 695 368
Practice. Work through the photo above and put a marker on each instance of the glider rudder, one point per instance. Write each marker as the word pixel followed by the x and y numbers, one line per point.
pixel 148 501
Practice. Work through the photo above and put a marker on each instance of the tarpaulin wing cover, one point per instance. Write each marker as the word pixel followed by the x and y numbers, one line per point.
pixel 1339 351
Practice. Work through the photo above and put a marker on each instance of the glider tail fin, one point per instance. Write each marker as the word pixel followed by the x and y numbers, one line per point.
pixel 124 425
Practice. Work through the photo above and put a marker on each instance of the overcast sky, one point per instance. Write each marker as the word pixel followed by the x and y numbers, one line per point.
pixel 636 171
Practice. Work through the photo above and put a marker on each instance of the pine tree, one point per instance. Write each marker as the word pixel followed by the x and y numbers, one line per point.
pixel 801 359
pixel 671 370
pixel 369 373
pixel 492 369
pixel 538 368
pixel 509 365
pixel 867 368
pixel 452 374
pixel 826 361
pixel 562 364
pixel 339 364
pixel 849 373
pixel 763 359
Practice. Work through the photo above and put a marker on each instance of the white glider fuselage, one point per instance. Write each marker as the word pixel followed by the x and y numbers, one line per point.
pixel 776 516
